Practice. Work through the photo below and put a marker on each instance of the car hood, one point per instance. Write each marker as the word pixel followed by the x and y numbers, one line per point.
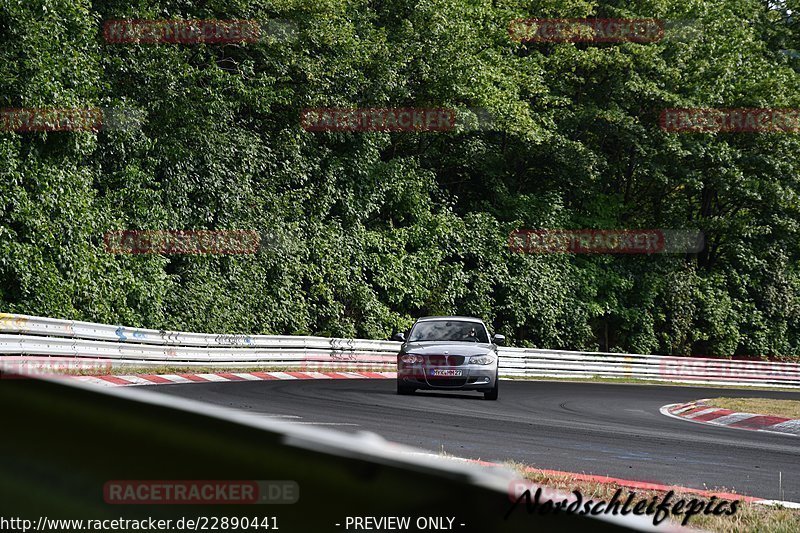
pixel 455 348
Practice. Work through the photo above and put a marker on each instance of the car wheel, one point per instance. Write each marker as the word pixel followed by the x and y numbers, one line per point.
pixel 492 394
pixel 404 390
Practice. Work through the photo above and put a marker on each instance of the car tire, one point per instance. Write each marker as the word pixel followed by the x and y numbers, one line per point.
pixel 404 390
pixel 492 394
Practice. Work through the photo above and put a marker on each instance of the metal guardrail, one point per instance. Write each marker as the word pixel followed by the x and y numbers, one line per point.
pixel 22 335
pixel 565 364
pixel 124 346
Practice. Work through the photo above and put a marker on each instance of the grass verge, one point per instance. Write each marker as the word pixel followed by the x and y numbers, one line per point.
pixel 762 406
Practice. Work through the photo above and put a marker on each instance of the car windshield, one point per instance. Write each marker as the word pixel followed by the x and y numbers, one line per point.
pixel 449 330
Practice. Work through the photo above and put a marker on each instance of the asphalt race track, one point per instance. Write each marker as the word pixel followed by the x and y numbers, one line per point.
pixel 605 429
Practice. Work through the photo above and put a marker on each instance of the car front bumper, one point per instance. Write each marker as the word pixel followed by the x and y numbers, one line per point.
pixel 473 377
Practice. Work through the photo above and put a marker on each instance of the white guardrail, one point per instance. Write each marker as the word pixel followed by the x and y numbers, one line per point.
pixel 24 336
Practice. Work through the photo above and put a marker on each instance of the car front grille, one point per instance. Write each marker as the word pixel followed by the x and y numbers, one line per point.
pixel 445 360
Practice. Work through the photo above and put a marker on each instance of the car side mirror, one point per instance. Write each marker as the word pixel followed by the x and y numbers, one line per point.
pixel 399 337
pixel 499 339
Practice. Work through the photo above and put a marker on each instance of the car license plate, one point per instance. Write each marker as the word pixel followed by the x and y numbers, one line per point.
pixel 447 373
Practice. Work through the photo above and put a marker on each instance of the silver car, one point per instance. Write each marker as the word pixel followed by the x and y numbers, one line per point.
pixel 448 353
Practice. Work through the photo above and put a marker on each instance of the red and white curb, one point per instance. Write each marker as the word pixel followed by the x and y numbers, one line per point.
pixel 702 413
pixel 172 379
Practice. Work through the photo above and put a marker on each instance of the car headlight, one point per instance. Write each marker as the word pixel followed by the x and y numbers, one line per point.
pixel 410 358
pixel 481 360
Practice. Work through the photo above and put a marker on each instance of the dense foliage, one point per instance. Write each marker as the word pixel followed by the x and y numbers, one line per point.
pixel 365 231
